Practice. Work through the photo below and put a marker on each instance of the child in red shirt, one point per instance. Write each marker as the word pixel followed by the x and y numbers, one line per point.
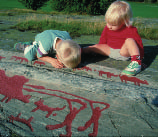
pixel 119 39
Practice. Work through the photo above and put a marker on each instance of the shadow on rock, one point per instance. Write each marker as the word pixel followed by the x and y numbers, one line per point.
pixel 90 58
pixel 155 102
pixel 150 53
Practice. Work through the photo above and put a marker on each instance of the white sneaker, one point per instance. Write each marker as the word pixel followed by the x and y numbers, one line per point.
pixel 132 69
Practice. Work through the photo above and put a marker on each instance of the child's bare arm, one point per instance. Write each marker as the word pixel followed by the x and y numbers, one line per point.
pixel 54 62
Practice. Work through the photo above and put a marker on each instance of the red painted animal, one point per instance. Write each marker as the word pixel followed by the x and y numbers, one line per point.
pixel 1 57
pixel 133 79
pixel 20 58
pixel 39 62
pixel 109 75
pixel 84 68
pixel 11 87
pixel 43 107
pixel 17 118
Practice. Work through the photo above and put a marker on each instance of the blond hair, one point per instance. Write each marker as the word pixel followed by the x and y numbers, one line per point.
pixel 69 53
pixel 119 12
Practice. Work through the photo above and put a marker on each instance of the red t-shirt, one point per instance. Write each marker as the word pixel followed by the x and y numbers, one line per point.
pixel 116 39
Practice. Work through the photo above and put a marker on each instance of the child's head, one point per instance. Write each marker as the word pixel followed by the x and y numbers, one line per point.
pixel 69 53
pixel 118 13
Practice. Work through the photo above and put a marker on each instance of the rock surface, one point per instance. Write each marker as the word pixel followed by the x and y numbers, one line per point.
pixel 93 99
pixel 39 100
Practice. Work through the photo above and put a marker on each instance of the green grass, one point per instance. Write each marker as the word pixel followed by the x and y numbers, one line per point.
pixel 144 10
pixel 14 7
pixel 14 4
pixel 75 28
pixel 146 32
pixel 10 4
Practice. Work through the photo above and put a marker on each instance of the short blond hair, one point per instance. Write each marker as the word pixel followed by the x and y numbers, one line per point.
pixel 119 12
pixel 69 53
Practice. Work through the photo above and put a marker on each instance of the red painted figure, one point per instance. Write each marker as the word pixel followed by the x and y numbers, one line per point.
pixel 96 113
pixel 69 118
pixel 84 68
pixel 133 79
pixel 39 62
pixel 1 57
pixel 22 120
pixel 11 87
pixel 107 73
pixel 43 107
pixel 20 58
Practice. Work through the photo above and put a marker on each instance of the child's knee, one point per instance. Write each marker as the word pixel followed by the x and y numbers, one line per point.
pixel 130 41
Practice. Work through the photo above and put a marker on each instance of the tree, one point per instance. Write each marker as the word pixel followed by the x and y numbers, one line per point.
pixel 33 4
pixel 93 7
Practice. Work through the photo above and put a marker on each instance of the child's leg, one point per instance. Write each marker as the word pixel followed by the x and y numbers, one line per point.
pixel 102 49
pixel 130 49
pixel 22 45
pixel 30 52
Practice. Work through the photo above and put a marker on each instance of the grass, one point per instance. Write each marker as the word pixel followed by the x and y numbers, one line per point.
pixel 17 8
pixel 79 27
pixel 140 9
pixel 11 4
pixel 146 32
pixel 144 10
pixel 75 28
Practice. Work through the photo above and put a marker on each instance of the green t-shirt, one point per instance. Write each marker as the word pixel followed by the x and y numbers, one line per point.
pixel 47 39
pixel 45 43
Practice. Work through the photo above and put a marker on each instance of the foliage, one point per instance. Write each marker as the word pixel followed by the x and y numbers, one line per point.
pixel 74 28
pixel 80 28
pixel 45 25
pixel 146 32
pixel 136 0
pixel 93 7
pixel 140 9
pixel 147 1
pixel 33 4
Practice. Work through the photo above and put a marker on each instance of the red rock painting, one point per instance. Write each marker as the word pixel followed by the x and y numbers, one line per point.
pixel 109 75
pixel 96 112
pixel 11 87
pixel 41 106
pixel 22 120
pixel 20 58
pixel 83 68
pixel 135 80
pixel 123 78
pixel 39 62
pixel 1 57
pixel 69 118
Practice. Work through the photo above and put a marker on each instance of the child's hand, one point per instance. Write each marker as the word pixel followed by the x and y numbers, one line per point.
pixel 57 64
pixel 54 62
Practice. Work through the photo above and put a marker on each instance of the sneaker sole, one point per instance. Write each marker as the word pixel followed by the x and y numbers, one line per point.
pixel 123 73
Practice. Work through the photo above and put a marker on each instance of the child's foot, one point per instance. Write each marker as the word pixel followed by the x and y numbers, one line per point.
pixel 132 69
pixel 21 45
